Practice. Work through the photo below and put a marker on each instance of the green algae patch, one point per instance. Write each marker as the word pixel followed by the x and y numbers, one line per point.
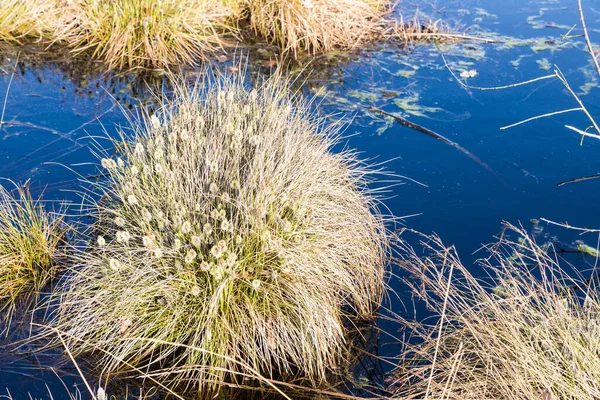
pixel 410 104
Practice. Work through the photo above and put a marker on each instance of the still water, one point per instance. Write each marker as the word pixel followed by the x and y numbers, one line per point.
pixel 53 112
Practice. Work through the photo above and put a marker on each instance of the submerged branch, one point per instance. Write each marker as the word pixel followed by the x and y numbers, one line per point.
pixel 580 179
pixel 437 136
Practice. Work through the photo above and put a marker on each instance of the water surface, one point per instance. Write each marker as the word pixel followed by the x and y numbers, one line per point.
pixel 53 114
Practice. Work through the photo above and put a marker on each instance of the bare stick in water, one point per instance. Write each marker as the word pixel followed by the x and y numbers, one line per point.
pixel 587 37
pixel 8 90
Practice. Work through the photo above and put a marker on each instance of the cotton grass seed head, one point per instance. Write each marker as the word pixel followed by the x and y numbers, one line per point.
pixel 293 250
pixel 108 163
pixel 123 236
pixel 101 241
pixel 148 242
pixel 186 227
pixel 146 215
pixel 114 264
pixel 120 222
pixel 190 256
pixel 196 241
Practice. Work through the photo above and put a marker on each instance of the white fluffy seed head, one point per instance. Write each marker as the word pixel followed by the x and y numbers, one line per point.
pixel 101 241
pixel 114 264
pixel 190 256
pixel 226 226
pixel 123 236
pixel 154 121
pixel 196 241
pixel 139 150
pixel 204 266
pixel 148 242
pixel 108 163
pixel 186 227
pixel 146 215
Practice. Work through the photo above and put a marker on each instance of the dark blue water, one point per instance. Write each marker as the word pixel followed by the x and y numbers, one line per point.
pixel 53 115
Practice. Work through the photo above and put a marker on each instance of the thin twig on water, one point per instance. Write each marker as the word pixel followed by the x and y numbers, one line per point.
pixel 8 90
pixel 587 37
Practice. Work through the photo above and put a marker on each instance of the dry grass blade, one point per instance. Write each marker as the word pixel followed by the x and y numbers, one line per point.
pixel 509 86
pixel 12 75
pixel 564 81
pixel 540 116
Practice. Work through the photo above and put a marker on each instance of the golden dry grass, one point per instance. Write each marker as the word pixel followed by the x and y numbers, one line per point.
pixel 149 33
pixel 162 33
pixel 530 331
pixel 22 20
pixel 319 25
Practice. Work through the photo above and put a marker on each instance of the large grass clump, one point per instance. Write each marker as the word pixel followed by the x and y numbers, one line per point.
pixel 529 331
pixel 29 241
pixel 228 239
pixel 149 33
pixel 319 25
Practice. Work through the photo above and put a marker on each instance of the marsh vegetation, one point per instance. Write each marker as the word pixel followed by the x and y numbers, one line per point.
pixel 163 33
pixel 222 240
pixel 227 238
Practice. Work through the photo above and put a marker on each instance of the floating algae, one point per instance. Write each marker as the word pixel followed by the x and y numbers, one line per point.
pixel 544 64
pixel 410 105
pixel 591 80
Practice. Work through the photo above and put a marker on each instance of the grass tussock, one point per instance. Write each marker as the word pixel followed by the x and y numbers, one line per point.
pixel 29 240
pixel 22 20
pixel 319 25
pixel 530 331
pixel 153 33
pixel 228 240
